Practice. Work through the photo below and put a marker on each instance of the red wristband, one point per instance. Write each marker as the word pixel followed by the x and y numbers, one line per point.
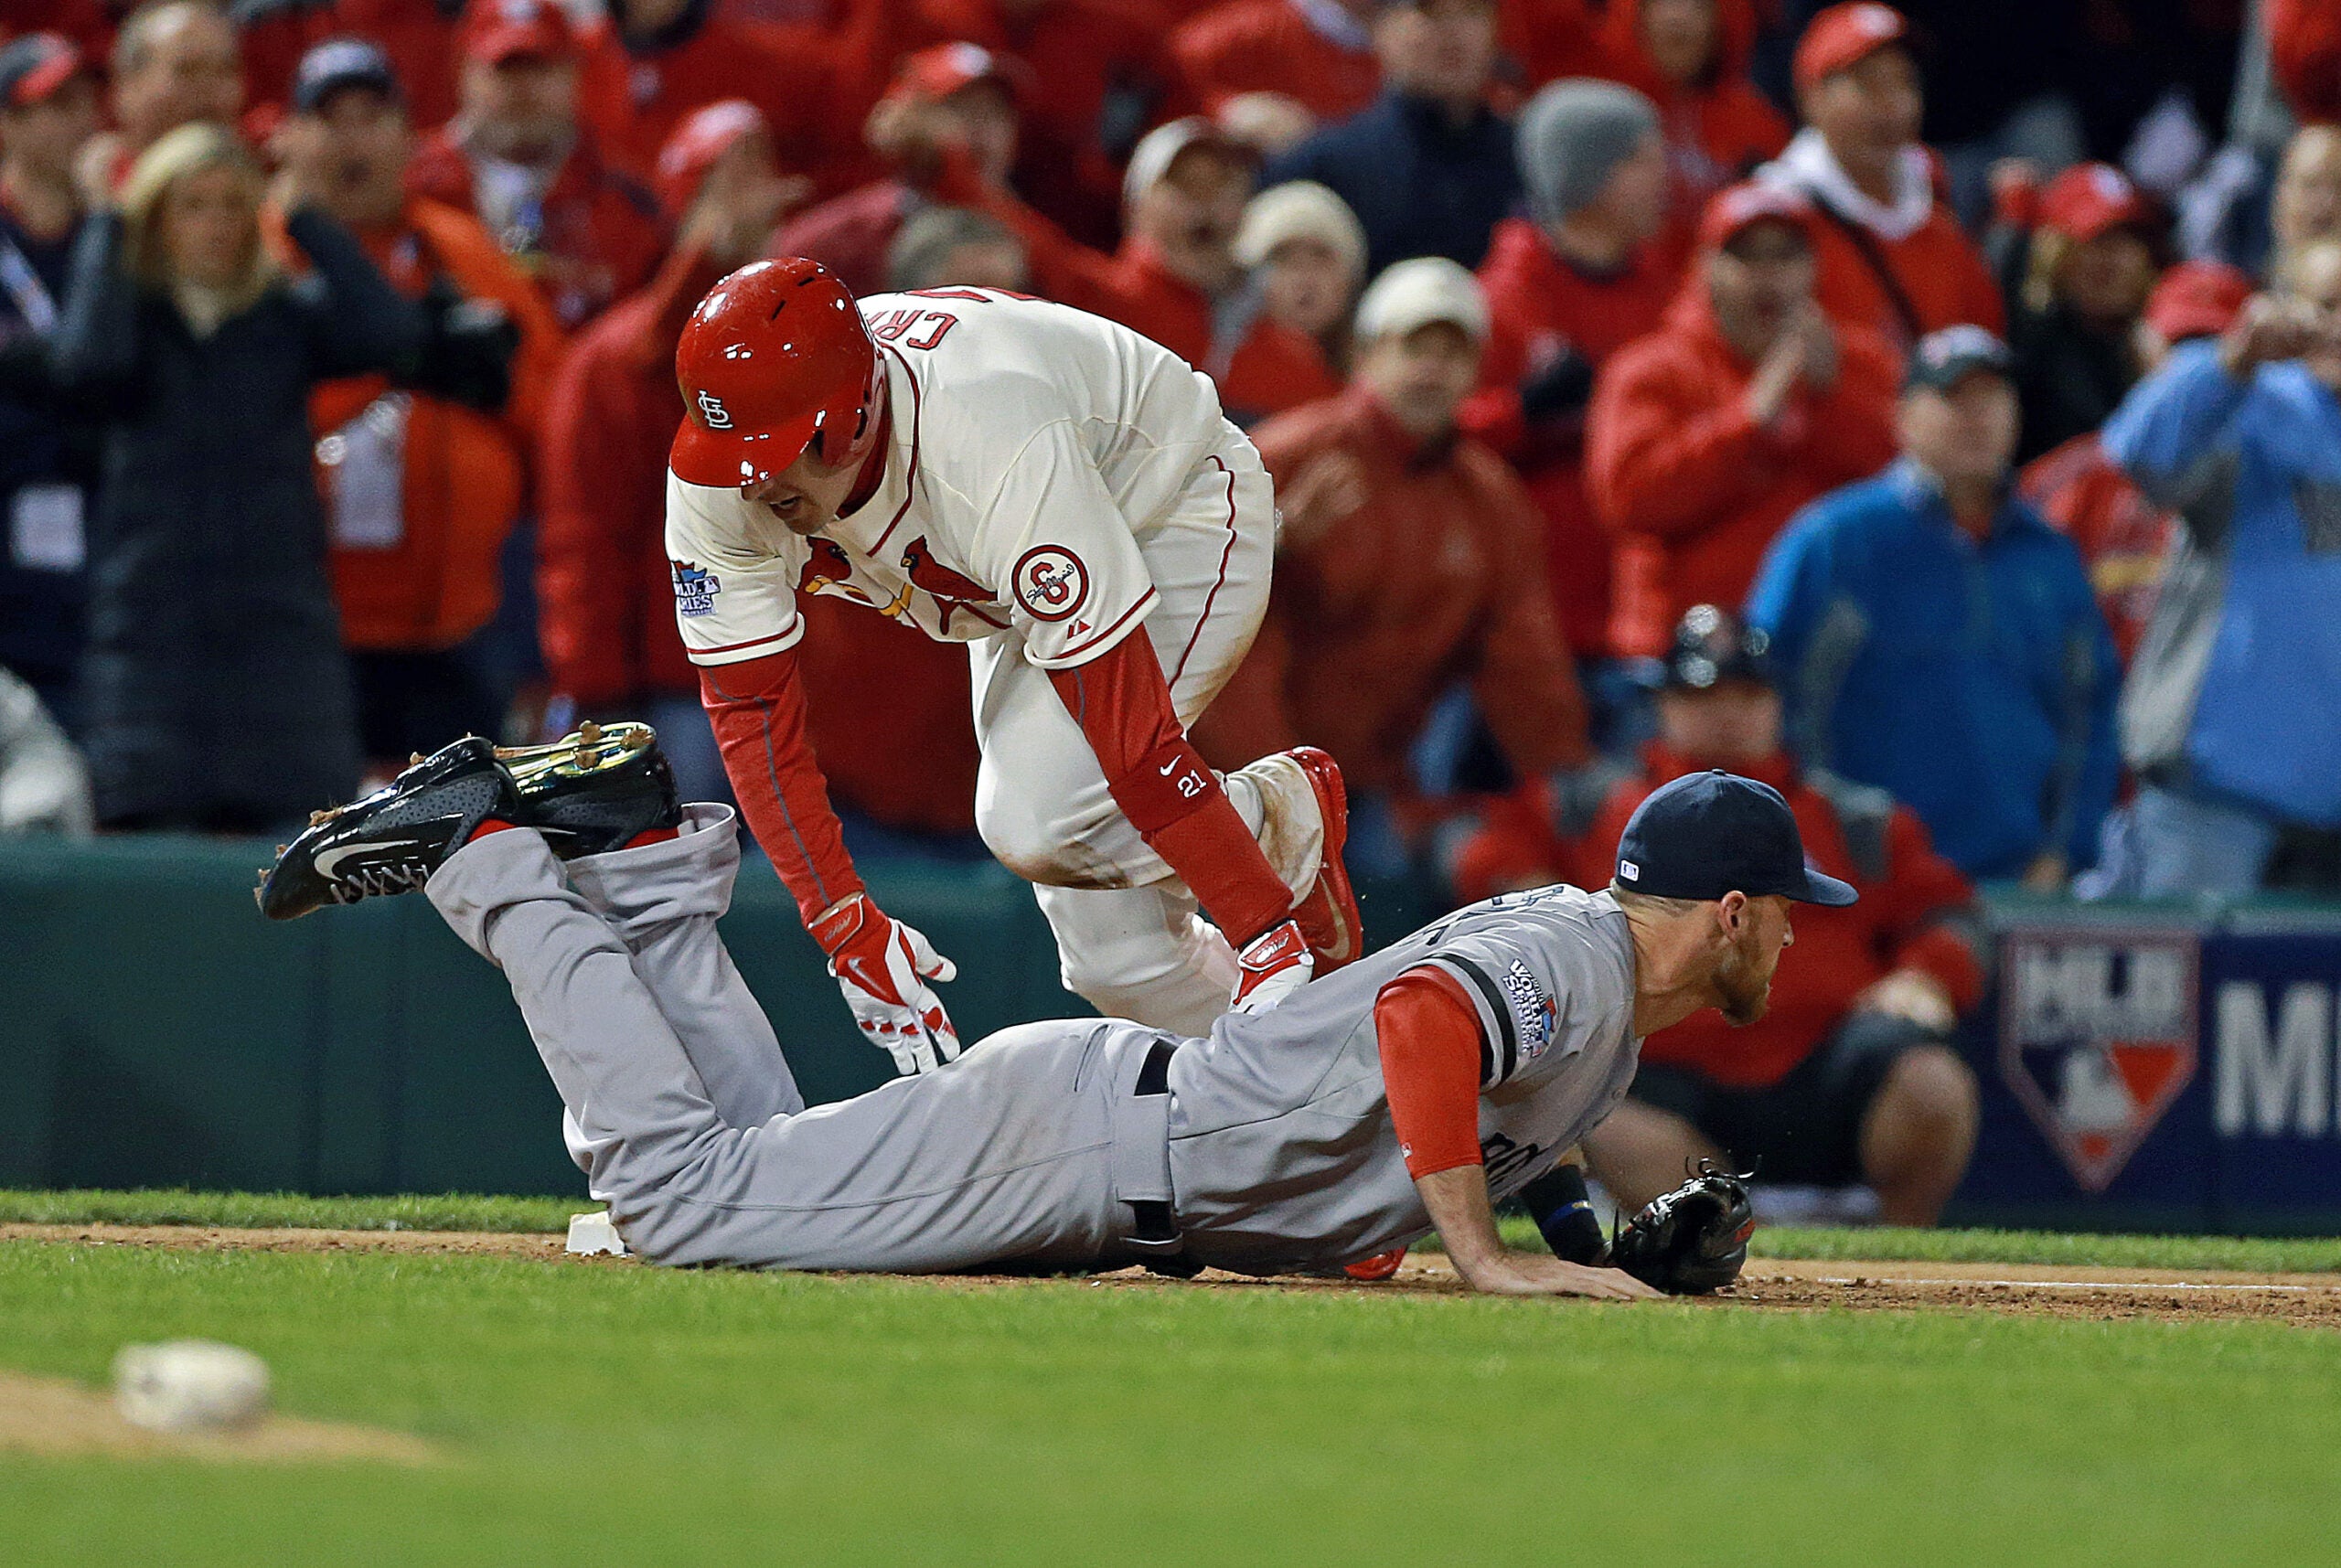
pixel 1170 783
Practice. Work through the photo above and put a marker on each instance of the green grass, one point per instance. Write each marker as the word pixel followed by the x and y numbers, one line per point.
pixel 632 1416
pixel 461 1212
pixel 272 1211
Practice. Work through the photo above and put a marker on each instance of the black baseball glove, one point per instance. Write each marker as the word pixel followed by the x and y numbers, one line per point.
pixel 1690 1241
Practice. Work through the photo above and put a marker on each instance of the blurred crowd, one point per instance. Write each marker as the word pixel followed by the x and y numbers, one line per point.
pixel 1930 411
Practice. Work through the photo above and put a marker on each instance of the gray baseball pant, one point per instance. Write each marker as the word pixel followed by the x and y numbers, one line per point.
pixel 680 1108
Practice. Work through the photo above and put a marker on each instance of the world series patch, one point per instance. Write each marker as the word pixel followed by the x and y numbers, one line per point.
pixel 1532 1007
pixel 695 588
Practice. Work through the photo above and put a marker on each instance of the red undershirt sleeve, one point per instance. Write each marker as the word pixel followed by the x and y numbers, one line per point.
pixel 1171 796
pixel 1431 1056
pixel 757 706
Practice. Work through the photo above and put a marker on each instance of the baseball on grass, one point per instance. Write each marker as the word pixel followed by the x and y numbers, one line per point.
pixel 189 1385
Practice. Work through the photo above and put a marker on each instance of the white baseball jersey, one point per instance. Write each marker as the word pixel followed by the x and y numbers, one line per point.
pixel 1034 448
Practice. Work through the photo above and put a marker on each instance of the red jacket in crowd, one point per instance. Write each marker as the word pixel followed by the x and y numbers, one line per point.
pixel 1268 46
pixel 1549 39
pixel 602 235
pixel 1264 370
pixel 1538 306
pixel 1096 60
pixel 2305 56
pixel 464 474
pixel 1718 131
pixel 850 234
pixel 888 709
pixel 1372 614
pixel 606 606
pixel 86 22
pixel 1912 913
pixel 813 89
pixel 417 35
pixel 1693 487
pixel 1940 274
pixel 2124 539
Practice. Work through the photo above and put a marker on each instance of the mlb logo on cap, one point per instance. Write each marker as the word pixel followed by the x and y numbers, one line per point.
pixel 1706 835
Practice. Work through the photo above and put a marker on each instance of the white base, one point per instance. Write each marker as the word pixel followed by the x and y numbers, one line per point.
pixel 590 1235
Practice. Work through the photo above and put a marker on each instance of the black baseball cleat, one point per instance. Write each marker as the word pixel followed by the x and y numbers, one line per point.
pixel 589 793
pixel 596 789
pixel 389 841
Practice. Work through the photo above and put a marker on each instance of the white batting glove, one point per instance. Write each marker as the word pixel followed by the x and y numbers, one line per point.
pixel 1273 967
pixel 883 967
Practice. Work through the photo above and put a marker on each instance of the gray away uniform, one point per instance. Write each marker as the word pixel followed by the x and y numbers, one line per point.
pixel 1266 1149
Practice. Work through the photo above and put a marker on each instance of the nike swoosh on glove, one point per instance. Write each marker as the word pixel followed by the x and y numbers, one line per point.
pixel 1272 967
pixel 883 967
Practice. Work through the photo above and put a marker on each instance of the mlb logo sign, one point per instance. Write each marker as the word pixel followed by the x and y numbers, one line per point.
pixel 2098 1037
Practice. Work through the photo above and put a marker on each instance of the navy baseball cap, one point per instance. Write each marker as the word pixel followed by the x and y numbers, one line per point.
pixel 1710 834
pixel 339 63
pixel 1943 359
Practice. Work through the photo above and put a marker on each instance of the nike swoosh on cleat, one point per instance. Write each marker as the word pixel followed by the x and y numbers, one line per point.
pixel 328 862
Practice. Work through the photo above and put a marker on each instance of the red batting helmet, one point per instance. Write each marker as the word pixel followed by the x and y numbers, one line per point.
pixel 774 363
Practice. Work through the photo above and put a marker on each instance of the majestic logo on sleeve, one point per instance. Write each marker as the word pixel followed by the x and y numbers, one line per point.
pixel 695 588
pixel 712 413
pixel 1050 582
pixel 1532 1006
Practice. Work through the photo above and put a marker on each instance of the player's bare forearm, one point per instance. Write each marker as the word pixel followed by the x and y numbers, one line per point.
pixel 1457 1201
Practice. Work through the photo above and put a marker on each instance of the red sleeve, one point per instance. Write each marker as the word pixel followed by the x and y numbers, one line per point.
pixel 1165 788
pixel 1923 911
pixel 1656 462
pixel 757 706
pixel 2305 56
pixel 588 535
pixel 1852 428
pixel 1512 846
pixel 1428 1034
pixel 1525 682
pixel 1064 269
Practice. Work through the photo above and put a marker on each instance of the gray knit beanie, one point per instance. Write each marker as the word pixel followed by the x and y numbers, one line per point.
pixel 1571 137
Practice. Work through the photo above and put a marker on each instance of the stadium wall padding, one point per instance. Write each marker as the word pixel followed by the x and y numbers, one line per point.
pixel 156 1030
pixel 2177 1068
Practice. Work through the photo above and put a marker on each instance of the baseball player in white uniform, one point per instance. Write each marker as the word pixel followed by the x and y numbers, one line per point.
pixel 1065 498
pixel 1406 1093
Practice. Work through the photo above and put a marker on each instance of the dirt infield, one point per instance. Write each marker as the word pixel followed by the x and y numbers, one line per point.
pixel 53 1416
pixel 1769 1284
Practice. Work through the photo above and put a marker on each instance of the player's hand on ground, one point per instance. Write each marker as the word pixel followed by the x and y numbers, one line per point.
pixel 1512 1273
pixel 1272 967
pixel 883 967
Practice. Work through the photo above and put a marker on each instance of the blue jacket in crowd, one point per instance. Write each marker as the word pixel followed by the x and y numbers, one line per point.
pixel 2236 689
pixel 1974 681
pixel 1420 185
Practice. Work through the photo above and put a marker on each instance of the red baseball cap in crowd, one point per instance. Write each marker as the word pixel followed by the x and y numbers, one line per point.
pixel 2197 299
pixel 933 74
pixel 705 136
pixel 494 31
pixel 1844 36
pixel 1742 206
pixel 2090 200
pixel 36 65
